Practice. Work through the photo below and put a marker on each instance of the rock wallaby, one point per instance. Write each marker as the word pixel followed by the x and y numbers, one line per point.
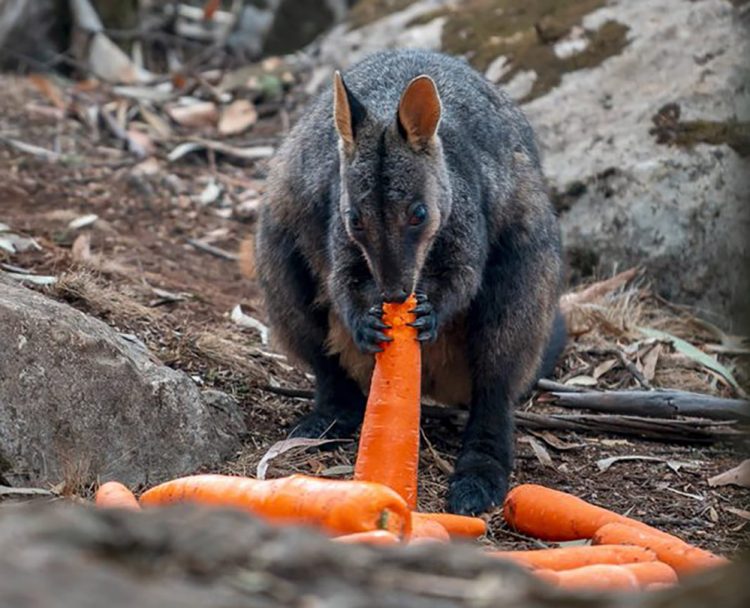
pixel 414 173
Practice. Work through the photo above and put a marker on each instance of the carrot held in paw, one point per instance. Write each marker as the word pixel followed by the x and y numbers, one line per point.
pixel 375 537
pixel 596 577
pixel 114 494
pixel 457 526
pixel 336 506
pixel 566 558
pixel 683 557
pixel 557 516
pixel 389 441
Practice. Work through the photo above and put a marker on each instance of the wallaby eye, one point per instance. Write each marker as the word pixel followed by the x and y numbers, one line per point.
pixel 355 220
pixel 417 215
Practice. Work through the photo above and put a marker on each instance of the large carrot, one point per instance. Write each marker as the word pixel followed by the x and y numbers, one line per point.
pixel 566 558
pixel 374 537
pixel 595 577
pixel 649 573
pixel 427 530
pixel 457 526
pixel 336 506
pixel 114 494
pixel 556 516
pixel 683 557
pixel 389 442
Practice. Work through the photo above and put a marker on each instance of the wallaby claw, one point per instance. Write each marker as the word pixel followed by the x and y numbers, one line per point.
pixel 369 335
pixel 426 322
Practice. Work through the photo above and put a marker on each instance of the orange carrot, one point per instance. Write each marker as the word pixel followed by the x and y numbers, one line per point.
pixel 389 442
pixel 553 515
pixel 652 572
pixel 336 506
pixel 566 558
pixel 375 537
pixel 683 557
pixel 595 577
pixel 423 530
pixel 114 494
pixel 457 526
pixel 657 586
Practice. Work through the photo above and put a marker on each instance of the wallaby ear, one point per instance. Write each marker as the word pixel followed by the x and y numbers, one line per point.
pixel 348 112
pixel 419 111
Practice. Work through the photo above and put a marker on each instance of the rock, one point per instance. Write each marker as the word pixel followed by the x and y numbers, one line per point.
pixel 681 211
pixel 78 401
pixel 66 556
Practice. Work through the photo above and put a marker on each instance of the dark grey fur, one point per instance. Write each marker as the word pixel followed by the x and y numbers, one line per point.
pixel 491 273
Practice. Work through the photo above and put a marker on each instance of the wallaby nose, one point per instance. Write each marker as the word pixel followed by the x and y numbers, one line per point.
pixel 395 295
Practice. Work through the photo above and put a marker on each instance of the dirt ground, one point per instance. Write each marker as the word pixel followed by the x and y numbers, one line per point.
pixel 139 273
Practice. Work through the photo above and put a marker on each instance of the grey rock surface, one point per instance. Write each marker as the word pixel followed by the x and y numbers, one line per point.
pixel 78 401
pixel 682 212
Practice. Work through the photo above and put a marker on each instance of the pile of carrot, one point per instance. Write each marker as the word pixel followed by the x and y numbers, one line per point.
pixel 378 507
pixel 625 553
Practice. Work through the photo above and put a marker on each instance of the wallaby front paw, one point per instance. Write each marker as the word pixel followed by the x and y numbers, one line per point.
pixel 426 322
pixel 368 331
pixel 474 492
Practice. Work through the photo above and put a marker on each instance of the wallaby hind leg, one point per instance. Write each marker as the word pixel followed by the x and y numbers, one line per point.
pixel 508 327
pixel 301 327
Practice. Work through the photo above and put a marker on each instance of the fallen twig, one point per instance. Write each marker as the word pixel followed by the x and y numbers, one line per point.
pixel 691 430
pixel 659 403
pixel 215 251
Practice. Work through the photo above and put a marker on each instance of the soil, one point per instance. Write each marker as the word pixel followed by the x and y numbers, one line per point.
pixel 139 250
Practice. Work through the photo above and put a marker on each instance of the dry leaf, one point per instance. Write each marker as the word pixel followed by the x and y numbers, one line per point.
pixel 556 442
pixel 581 381
pixel 603 368
pixel 36 279
pixel 738 476
pixel 81 249
pixel 140 143
pixel 209 194
pixel 251 153
pixel 237 117
pixel 83 221
pixel 650 359
pixel 200 114
pixel 738 512
pixel 541 453
pixel 244 320
pixel 210 8
pixel 157 123
pixel 278 448
pixel 694 353
pixel 45 86
pixel 341 470
pixel 109 62
pixel 595 291
pixel 605 463
pixel 9 491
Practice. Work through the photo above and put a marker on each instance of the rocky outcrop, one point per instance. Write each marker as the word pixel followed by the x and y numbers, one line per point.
pixel 76 557
pixel 78 402
pixel 643 117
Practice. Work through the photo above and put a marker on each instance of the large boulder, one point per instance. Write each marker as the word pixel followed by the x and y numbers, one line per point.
pixel 79 401
pixel 76 557
pixel 642 110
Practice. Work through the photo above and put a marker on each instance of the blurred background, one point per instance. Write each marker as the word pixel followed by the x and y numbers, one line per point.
pixel 641 108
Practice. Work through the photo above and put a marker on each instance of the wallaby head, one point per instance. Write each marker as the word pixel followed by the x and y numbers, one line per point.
pixel 395 193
